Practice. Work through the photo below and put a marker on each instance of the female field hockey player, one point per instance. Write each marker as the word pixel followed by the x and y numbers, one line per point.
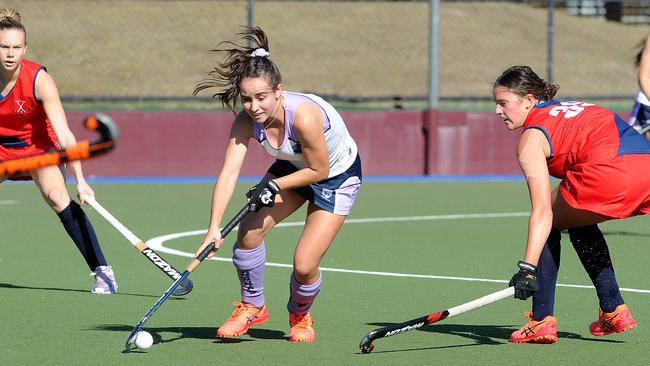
pixel 317 162
pixel 640 116
pixel 603 166
pixel 32 120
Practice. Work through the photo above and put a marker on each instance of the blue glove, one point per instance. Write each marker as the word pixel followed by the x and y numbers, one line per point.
pixel 262 195
pixel 524 281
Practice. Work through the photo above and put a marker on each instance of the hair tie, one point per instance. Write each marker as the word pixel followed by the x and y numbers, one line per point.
pixel 260 52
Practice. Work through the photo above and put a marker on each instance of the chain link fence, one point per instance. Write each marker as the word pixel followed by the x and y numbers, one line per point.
pixel 347 50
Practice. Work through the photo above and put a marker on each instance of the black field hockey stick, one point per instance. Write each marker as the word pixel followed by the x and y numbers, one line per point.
pixel 183 289
pixel 192 266
pixel 83 150
pixel 366 345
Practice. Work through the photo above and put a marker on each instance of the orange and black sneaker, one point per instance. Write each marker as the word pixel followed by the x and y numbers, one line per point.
pixel 617 321
pixel 243 317
pixel 543 331
pixel 302 328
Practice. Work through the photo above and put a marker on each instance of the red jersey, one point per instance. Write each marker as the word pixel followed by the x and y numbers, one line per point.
pixel 602 161
pixel 24 127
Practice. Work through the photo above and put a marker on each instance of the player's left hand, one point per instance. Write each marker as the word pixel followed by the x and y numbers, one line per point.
pixel 262 195
pixel 524 281
pixel 84 189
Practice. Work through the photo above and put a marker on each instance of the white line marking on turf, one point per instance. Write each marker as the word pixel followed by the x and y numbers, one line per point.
pixel 8 202
pixel 157 244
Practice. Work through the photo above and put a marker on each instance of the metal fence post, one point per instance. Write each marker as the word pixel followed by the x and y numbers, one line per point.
pixel 434 52
pixel 549 40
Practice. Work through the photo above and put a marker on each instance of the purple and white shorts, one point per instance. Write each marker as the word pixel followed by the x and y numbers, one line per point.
pixel 335 195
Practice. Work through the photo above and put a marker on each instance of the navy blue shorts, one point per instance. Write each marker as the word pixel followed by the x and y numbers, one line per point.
pixel 335 195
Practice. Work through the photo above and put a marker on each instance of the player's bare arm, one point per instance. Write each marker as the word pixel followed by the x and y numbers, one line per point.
pixel 532 151
pixel 240 134
pixel 47 92
pixel 644 69
pixel 308 124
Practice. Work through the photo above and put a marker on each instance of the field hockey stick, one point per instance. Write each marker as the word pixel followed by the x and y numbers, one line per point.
pixel 83 150
pixel 195 263
pixel 366 345
pixel 183 289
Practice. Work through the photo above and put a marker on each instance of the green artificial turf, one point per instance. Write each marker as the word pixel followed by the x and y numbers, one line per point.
pixel 48 316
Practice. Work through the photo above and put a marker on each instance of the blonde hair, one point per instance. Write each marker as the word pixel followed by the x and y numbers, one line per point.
pixel 10 19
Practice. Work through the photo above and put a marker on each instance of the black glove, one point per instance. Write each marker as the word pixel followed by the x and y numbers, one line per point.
pixel 262 195
pixel 524 281
pixel 262 183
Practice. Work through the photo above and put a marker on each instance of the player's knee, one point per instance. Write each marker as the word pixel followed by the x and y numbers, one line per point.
pixel 250 240
pixel 57 199
pixel 304 270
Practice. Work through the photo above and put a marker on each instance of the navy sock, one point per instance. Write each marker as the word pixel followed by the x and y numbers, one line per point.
pixel 81 231
pixel 547 268
pixel 593 252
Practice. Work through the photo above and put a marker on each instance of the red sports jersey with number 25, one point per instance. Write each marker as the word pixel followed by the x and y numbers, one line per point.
pixel 24 127
pixel 604 163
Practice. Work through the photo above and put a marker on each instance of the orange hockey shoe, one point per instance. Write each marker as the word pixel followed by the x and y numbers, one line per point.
pixel 302 329
pixel 543 331
pixel 617 321
pixel 243 317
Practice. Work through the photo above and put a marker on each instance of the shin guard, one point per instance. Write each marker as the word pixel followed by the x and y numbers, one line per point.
pixel 81 231
pixel 547 268
pixel 250 269
pixel 591 247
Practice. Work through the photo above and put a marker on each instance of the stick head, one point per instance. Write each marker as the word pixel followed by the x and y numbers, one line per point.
pixel 104 125
pixel 130 341
pixel 184 288
pixel 366 345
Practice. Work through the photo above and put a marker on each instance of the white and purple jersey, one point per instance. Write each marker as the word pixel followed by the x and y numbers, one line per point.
pixel 341 148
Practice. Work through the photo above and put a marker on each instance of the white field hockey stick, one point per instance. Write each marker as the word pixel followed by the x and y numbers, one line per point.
pixel 183 289
pixel 366 345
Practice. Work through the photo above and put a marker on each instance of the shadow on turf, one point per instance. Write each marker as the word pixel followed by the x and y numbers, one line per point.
pixel 18 287
pixel 491 335
pixel 195 333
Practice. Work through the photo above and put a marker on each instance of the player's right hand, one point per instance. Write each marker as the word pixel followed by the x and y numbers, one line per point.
pixel 262 195
pixel 212 236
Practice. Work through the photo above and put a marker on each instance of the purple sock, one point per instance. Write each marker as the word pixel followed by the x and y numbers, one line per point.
pixel 250 269
pixel 302 296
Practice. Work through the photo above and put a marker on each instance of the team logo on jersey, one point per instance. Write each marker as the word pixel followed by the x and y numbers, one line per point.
pixel 295 147
pixel 20 107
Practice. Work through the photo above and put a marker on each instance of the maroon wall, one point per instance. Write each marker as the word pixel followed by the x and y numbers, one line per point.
pixel 162 143
pixel 156 143
pixel 192 143
pixel 469 143
pixel 390 142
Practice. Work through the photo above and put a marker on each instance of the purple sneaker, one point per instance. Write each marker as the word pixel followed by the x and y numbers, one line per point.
pixel 104 281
